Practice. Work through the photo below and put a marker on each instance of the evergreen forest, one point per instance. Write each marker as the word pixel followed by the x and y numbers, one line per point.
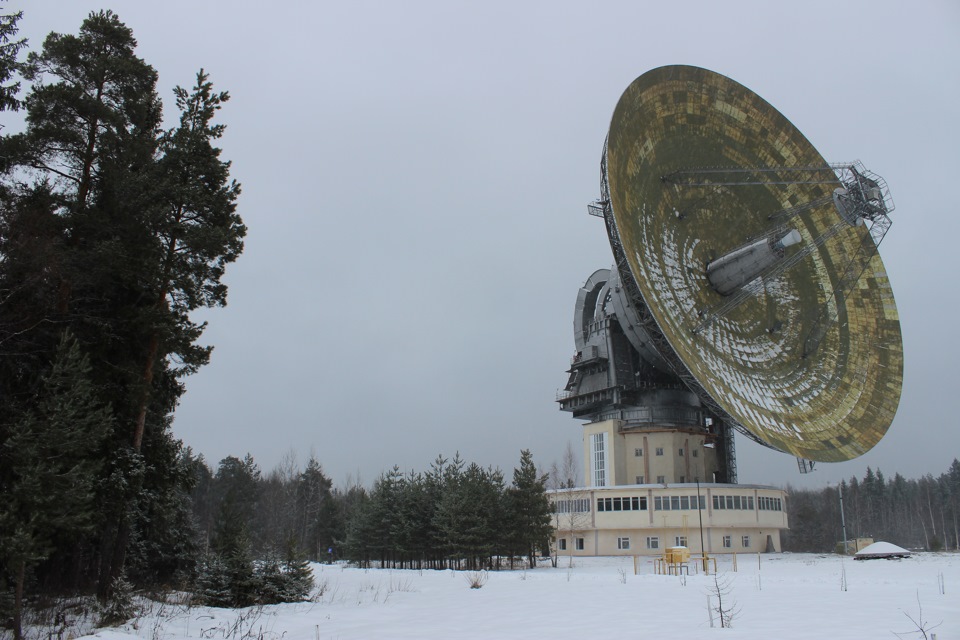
pixel 923 513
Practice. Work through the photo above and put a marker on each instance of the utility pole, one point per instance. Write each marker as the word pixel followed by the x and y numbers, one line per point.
pixel 843 522
pixel 703 550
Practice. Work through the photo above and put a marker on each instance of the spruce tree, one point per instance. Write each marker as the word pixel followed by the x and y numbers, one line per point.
pixel 529 509
pixel 50 467
pixel 297 576
pixel 213 582
pixel 10 49
pixel 316 516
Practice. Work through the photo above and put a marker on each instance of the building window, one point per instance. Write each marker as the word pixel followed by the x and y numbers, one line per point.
pixel 580 505
pixel 727 542
pixel 623 543
pixel 746 542
pixel 772 504
pixel 659 451
pixel 625 503
pixel 562 544
pixel 597 442
pixel 662 479
pixel 680 453
pixel 683 478
pixel 769 504
pixel 681 541
pixel 638 452
pixel 675 503
pixel 743 503
pixel 696 453
pixel 653 542
pixel 578 544
pixel 639 479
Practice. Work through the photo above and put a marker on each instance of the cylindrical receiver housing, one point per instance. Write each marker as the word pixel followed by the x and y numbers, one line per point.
pixel 730 272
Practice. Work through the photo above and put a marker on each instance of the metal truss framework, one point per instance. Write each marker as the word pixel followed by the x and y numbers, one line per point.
pixel 602 208
pixel 863 197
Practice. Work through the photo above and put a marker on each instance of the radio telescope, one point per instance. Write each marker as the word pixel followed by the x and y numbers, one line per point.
pixel 747 293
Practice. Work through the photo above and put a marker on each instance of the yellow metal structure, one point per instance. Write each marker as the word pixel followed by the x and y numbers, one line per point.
pixel 676 555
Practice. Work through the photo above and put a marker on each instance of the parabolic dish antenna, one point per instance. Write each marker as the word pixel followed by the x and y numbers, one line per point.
pixel 752 263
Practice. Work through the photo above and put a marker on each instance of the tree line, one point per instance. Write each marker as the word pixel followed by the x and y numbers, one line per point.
pixel 452 516
pixel 455 515
pixel 922 513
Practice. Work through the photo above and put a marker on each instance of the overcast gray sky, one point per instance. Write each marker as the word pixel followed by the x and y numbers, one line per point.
pixel 415 179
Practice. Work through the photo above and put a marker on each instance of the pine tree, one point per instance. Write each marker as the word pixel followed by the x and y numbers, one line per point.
pixel 119 231
pixel 9 60
pixel 236 487
pixel 448 513
pixel 298 576
pixel 197 233
pixel 50 468
pixel 92 123
pixel 315 510
pixel 213 582
pixel 360 534
pixel 529 509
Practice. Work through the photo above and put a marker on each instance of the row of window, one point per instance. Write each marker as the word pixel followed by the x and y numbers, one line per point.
pixel 678 503
pixel 653 542
pixel 728 541
pixel 733 502
pixel 577 544
pixel 769 504
pixel 663 479
pixel 630 503
pixel 638 452
pixel 746 503
pixel 667 503
pixel 579 505
pixel 675 503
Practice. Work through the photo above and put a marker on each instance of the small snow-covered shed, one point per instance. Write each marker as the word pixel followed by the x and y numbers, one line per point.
pixel 881 550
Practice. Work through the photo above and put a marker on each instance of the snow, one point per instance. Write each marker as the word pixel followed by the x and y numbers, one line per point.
pixel 881 549
pixel 778 596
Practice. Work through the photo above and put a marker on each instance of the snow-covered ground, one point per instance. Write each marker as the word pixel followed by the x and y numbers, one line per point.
pixel 781 596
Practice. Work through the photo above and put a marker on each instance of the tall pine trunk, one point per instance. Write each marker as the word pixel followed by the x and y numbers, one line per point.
pixel 119 555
